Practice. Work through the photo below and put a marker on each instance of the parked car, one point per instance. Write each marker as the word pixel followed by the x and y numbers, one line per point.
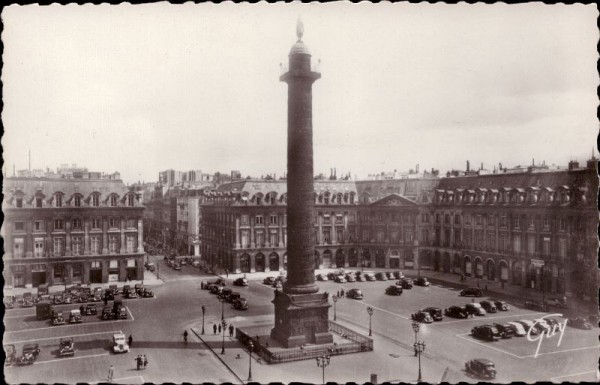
pixel 555 302
pixel 224 294
pixel 350 277
pixel 552 322
pixel 58 299
pixel 475 309
pixel 277 284
pixel 58 319
pixel 240 304
pixel 422 316
pixel 90 309
pixel 108 295
pixel 393 290
pixel 119 313
pixel 331 276
pixel 270 280
pixel 241 282
pixel 177 266
pixel 405 283
pixel 10 352
pixel 528 325
pixel 501 305
pixel 31 348
pixel 107 313
pixel 398 275
pixel 435 312
pixel 471 292
pixel 152 267
pixel 322 277
pixel 360 278
pixel 579 323
pixel 215 289
pixel 518 329
pixel 66 347
pixel 147 293
pixel 389 274
pixel 27 300
pixel 9 302
pixel 506 330
pixel 218 281
pixel 421 281
pixel 126 289
pixel 340 279
pixel 75 316
pixel 131 293
pixel 488 306
pixel 536 305
pixel 481 367
pixel 119 343
pixel 380 276
pixel 233 296
pixel 485 332
pixel 369 276
pixel 139 289
pixel 541 325
pixel 354 294
pixel 456 312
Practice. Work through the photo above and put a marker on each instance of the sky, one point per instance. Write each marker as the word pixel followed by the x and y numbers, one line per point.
pixel 144 88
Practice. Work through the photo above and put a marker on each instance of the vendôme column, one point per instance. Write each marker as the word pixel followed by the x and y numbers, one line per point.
pixel 301 312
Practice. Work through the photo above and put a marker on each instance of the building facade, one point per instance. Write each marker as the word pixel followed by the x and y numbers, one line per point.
pixel 70 230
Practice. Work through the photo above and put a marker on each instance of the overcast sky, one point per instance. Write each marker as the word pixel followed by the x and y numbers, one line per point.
pixel 141 89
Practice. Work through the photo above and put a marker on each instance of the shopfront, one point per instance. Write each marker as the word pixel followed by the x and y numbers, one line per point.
pixel 38 274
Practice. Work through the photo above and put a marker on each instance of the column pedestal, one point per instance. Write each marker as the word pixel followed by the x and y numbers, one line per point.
pixel 301 319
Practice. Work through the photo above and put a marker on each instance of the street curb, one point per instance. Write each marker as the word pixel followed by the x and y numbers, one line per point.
pixel 216 355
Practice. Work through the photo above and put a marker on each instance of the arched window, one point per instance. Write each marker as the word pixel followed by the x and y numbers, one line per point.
pixel 77 201
pixel 58 198
pixel 113 200
pixel 130 200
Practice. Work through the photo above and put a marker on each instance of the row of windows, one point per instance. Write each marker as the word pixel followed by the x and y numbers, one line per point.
pixel 393 217
pixel 76 223
pixel 113 264
pixel 77 245
pixel 490 220
pixel 511 197
pixel 78 201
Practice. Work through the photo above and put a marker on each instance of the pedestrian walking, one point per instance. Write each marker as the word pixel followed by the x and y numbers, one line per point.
pixel 214 329
pixel 230 330
pixel 138 361
pixel 342 293
pixel 338 294
pixel 111 372
pixel 220 329
pixel 130 340
pixel 227 272
pixel 145 361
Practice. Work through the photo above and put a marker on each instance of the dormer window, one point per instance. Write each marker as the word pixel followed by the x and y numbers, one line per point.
pixel 58 200
pixel 113 201
pixel 95 200
pixel 38 202
pixel 77 201
pixel 130 200
pixel 19 202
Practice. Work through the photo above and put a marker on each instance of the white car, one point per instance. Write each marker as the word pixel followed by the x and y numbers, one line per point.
pixel 542 325
pixel 120 343
pixel 528 325
pixel 519 329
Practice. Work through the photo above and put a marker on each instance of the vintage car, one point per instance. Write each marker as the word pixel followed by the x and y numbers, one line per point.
pixel 322 277
pixel 215 289
pixel 486 332
pixel 579 323
pixel 501 305
pixel 43 289
pixel 58 299
pixel 360 278
pixel 481 367
pixel 75 316
pixel 119 343
pixel 555 302
pixel 218 281
pixel 241 282
pixel 270 280
pixel 107 313
pixel 224 294
pixel 389 275
pixel 90 309
pixel 31 348
pixel 354 294
pixel 139 288
pixel 68 297
pixel 9 302
pixel 27 300
pixel 435 312
pixel 233 296
pixel 240 304
pixel 471 292
pixel 340 279
pixel 421 281
pixel 108 295
pixel 114 289
pixel 131 293
pixel 542 326
pixel 176 266
pixel 475 309
pixel 393 290
pixel 147 293
pixel 10 352
pixel 529 326
pixel 81 298
pixel 58 318
pixel 66 347
pixel 518 329
pixel 278 283
pixel 405 283
pixel 369 277
pixel 125 289
pixel 536 305
pixel 422 316
pixel 488 306
pixel 120 313
pixel 380 276
pixel 505 330
pixel 456 312
pixel 398 275
pixel 350 277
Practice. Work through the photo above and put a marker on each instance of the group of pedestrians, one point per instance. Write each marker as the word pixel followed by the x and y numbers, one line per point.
pixel 340 293
pixel 217 327
pixel 141 361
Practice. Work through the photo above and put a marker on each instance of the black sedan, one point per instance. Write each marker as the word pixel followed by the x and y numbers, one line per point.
pixel 481 367
pixel 354 293
pixel 501 305
pixel 471 292
pixel 506 330
pixel 421 316
pixel 421 281
pixel 456 312
pixel 241 282
pixel 488 306
pixel 405 283
pixel 393 290
pixel 536 305
pixel 435 312
pixel 270 280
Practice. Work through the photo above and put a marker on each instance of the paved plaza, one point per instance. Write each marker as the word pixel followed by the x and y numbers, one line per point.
pixel 156 325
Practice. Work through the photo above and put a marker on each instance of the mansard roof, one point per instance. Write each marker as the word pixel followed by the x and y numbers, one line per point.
pixel 394 200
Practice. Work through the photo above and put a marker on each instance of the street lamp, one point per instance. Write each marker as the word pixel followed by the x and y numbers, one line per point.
pixel 419 348
pixel 370 310
pixel 416 326
pixel 417 258
pixel 224 325
pixel 335 298
pixel 250 347
pixel 323 362
pixel 203 311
